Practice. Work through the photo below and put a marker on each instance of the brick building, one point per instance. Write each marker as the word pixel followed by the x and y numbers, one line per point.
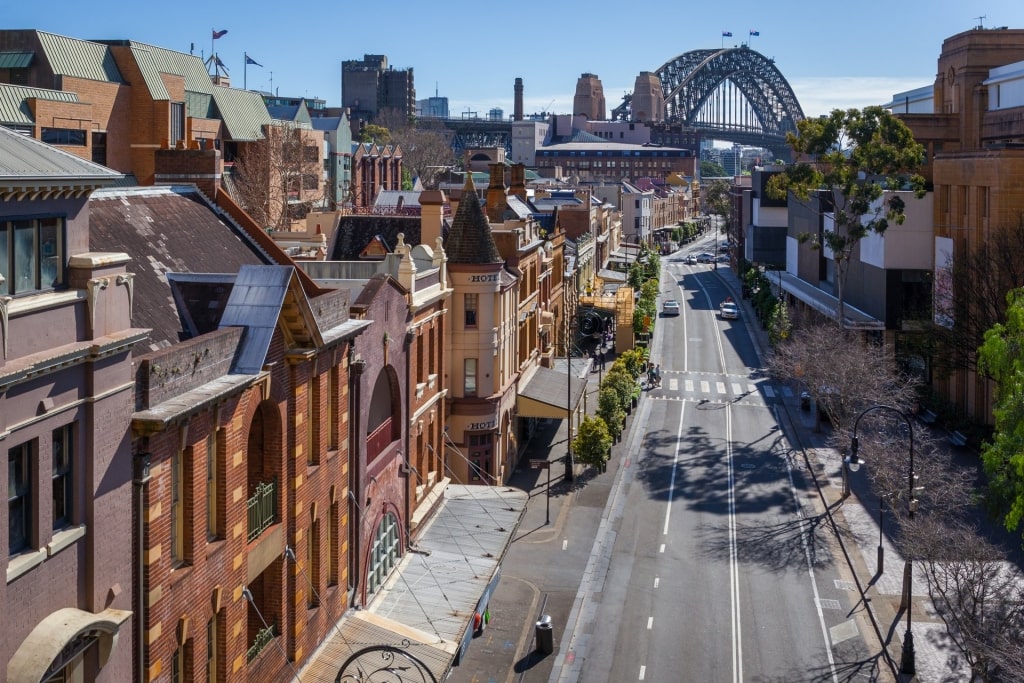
pixel 972 136
pixel 65 398
pixel 374 168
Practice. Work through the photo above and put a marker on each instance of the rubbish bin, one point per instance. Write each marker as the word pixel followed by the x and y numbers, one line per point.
pixel 805 401
pixel 545 635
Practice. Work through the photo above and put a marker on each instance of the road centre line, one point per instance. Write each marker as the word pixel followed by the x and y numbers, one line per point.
pixel 734 579
pixel 675 465
pixel 650 623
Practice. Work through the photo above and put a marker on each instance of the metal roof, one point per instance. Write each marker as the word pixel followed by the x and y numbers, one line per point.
pixel 244 113
pixel 188 66
pixel 79 58
pixel 255 304
pixel 14 109
pixel 26 159
pixel 150 74
pixel 15 60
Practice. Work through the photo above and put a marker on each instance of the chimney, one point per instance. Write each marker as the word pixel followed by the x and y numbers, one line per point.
pixel 431 216
pixel 517 183
pixel 518 110
pixel 201 167
pixel 496 193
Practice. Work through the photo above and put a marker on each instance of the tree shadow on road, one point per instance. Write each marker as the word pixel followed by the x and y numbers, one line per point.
pixel 860 670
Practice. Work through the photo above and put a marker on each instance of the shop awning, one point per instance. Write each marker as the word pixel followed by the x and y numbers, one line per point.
pixel 545 393
pixel 427 605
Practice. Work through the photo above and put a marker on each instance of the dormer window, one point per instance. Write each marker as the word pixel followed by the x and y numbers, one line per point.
pixel 31 255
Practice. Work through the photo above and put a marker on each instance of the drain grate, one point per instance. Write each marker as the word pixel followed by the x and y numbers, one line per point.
pixel 845 585
pixel 829 604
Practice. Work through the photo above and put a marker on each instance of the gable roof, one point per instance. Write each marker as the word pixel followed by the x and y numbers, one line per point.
pixel 243 111
pixel 470 239
pixel 159 227
pixel 79 58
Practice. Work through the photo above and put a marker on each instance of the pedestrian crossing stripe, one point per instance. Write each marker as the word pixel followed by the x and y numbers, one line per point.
pixel 720 387
pixel 705 386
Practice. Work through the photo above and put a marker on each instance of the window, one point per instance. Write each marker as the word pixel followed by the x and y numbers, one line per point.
pixel 31 255
pixel 469 380
pixel 177 511
pixel 211 649
pixel 314 564
pixel 178 665
pixel 19 497
pixel 384 554
pixel 212 493
pixel 99 148
pixel 470 304
pixel 63 136
pixel 333 545
pixel 63 475
pixel 177 122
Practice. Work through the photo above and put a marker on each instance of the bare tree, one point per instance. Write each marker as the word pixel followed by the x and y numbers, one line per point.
pixel 279 179
pixel 976 592
pixel 426 145
pixel 843 373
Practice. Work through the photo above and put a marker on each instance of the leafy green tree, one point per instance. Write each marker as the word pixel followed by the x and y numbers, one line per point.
pixel 858 158
pixel 716 198
pixel 371 132
pixel 1002 357
pixel 709 169
pixel 622 383
pixel 610 410
pixel 592 442
pixel 779 326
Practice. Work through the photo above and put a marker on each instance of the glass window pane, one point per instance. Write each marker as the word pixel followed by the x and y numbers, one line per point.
pixel 5 264
pixel 24 256
pixel 50 253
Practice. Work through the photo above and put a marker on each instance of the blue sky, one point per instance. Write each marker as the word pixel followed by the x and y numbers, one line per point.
pixel 472 52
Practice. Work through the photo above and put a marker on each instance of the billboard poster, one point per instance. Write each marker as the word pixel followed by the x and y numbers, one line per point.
pixel 942 300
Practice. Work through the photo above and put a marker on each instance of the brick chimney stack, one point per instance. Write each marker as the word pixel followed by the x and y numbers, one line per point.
pixel 496 193
pixel 431 216
pixel 517 112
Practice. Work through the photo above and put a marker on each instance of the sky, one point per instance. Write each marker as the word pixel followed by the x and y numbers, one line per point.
pixel 834 55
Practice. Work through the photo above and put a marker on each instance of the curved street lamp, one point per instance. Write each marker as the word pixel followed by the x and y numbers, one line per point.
pixel 907 664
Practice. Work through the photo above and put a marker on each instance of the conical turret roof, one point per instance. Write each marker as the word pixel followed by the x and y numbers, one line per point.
pixel 470 239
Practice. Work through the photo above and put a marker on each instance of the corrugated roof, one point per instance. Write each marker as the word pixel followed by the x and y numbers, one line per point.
pixel 15 60
pixel 244 113
pixel 13 106
pixel 79 58
pixel 27 159
pixel 190 67
pixel 150 74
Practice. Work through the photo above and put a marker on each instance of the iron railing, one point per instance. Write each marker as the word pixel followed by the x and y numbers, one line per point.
pixel 262 506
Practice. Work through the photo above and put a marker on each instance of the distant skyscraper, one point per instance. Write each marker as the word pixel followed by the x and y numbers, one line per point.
pixel 432 108
pixel 589 98
pixel 369 85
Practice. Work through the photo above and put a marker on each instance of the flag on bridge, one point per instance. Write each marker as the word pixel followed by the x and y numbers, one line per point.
pixel 218 34
pixel 754 33
pixel 250 60
pixel 727 34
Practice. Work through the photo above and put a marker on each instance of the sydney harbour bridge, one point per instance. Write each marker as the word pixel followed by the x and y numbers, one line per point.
pixel 733 94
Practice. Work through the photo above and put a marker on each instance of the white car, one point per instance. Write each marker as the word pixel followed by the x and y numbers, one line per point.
pixel 670 307
pixel 705 258
pixel 729 310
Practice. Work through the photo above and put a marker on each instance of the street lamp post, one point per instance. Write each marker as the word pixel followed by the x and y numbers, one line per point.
pixel 907 664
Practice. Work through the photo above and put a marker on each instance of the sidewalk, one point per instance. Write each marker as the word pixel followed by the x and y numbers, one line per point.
pixel 856 519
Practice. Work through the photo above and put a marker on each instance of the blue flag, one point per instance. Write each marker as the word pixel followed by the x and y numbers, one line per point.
pixel 727 34
pixel 250 60
pixel 754 33
pixel 218 34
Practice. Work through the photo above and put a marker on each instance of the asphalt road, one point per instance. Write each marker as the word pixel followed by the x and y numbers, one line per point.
pixel 717 572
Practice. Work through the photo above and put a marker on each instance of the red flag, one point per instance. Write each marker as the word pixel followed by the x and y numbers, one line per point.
pixel 218 34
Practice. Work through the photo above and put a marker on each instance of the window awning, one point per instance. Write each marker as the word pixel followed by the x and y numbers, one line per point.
pixel 826 304
pixel 545 394
pixel 427 605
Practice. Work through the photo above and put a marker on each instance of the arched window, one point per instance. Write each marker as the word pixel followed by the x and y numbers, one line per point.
pixel 385 553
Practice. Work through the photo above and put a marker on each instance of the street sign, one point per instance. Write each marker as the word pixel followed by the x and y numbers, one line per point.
pixel 540 464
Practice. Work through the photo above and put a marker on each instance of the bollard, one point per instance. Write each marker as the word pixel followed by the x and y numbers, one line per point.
pixel 545 635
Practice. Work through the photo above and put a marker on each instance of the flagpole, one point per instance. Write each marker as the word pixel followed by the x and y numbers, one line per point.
pixel 245 71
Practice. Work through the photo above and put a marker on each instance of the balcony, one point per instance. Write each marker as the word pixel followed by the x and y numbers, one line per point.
pixel 378 439
pixel 263 638
pixel 262 507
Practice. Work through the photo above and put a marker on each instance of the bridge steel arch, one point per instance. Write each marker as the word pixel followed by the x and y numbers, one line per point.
pixel 695 82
